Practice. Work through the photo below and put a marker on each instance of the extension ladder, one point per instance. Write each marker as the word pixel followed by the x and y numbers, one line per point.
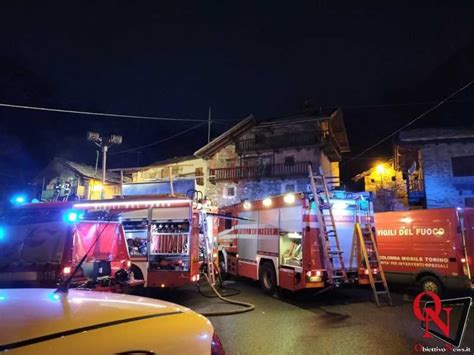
pixel 336 271
pixel 364 250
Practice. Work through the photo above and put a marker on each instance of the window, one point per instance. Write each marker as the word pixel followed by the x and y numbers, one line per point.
pixel 229 191
pixel 290 160
pixel 463 166
pixel 199 176
pixel 469 201
pixel 175 170
pixel 288 186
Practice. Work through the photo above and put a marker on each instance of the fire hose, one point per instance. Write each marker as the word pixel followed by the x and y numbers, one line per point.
pixel 247 306
pixel 221 286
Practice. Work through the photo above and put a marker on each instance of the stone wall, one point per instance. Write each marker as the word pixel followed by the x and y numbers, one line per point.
pixel 253 190
pixel 442 189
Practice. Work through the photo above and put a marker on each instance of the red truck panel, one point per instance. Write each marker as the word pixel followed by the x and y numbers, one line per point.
pixel 412 242
pixel 468 216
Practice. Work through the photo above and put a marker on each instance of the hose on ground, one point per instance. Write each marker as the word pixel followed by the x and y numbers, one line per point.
pixel 247 306
pixel 221 287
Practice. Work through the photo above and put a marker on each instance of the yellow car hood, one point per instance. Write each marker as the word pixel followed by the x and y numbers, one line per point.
pixel 32 317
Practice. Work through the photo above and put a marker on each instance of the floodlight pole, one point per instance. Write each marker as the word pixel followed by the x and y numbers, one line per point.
pixel 105 148
pixel 104 144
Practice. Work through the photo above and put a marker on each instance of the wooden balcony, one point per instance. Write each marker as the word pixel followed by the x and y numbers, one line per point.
pixel 416 192
pixel 276 142
pixel 299 169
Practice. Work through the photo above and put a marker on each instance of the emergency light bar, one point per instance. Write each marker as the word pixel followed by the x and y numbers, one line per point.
pixel 131 204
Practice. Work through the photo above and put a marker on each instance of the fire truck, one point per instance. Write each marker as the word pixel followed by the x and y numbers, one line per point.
pixel 168 237
pixel 433 249
pixel 42 243
pixel 295 241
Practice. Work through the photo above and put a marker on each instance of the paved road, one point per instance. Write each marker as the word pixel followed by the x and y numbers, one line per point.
pixel 337 322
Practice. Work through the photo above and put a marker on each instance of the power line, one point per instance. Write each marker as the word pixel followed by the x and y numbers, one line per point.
pixel 410 123
pixel 402 104
pixel 90 113
pixel 159 141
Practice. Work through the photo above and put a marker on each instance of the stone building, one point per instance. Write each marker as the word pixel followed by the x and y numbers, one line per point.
pixel 438 165
pixel 257 159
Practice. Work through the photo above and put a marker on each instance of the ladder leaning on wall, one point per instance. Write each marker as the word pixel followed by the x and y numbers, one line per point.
pixel 337 274
pixel 365 254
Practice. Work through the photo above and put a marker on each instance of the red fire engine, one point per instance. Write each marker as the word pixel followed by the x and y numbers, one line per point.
pixel 432 248
pixel 164 236
pixel 41 243
pixel 284 241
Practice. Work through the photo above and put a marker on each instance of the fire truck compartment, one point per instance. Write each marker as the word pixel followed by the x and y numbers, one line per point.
pixel 111 244
pixel 273 232
pixel 291 249
pixel 169 245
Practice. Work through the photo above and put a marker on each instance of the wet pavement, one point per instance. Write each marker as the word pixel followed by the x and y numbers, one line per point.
pixel 344 321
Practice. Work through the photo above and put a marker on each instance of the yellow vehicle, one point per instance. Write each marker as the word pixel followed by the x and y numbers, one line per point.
pixel 42 321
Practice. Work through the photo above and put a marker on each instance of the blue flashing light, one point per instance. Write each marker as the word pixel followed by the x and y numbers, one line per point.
pixel 54 296
pixel 72 216
pixel 3 234
pixel 18 199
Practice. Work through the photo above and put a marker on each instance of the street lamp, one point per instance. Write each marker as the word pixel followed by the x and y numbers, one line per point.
pixel 380 169
pixel 104 144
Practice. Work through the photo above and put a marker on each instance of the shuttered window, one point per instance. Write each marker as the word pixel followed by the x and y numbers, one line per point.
pixel 463 166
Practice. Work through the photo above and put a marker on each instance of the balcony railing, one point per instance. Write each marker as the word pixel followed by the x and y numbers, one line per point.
pixel 276 142
pixel 416 186
pixel 260 172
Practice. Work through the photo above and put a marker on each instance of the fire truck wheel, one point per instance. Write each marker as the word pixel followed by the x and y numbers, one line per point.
pixel 268 278
pixel 431 283
pixel 137 273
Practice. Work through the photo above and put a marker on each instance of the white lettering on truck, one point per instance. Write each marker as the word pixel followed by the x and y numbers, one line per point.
pixel 409 232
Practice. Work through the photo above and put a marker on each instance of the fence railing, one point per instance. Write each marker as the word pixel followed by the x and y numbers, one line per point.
pixel 276 142
pixel 260 172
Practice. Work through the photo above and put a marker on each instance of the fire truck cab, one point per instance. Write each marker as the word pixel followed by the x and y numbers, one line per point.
pixel 42 243
pixel 276 240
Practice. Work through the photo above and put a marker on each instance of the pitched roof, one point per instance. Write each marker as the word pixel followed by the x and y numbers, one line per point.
pixel 225 137
pixel 159 163
pixel 335 118
pixel 435 134
pixel 88 171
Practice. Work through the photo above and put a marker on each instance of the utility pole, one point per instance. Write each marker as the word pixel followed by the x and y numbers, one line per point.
pixel 209 126
pixel 104 167
pixel 104 144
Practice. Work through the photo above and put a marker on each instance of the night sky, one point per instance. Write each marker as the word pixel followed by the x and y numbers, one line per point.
pixel 267 59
